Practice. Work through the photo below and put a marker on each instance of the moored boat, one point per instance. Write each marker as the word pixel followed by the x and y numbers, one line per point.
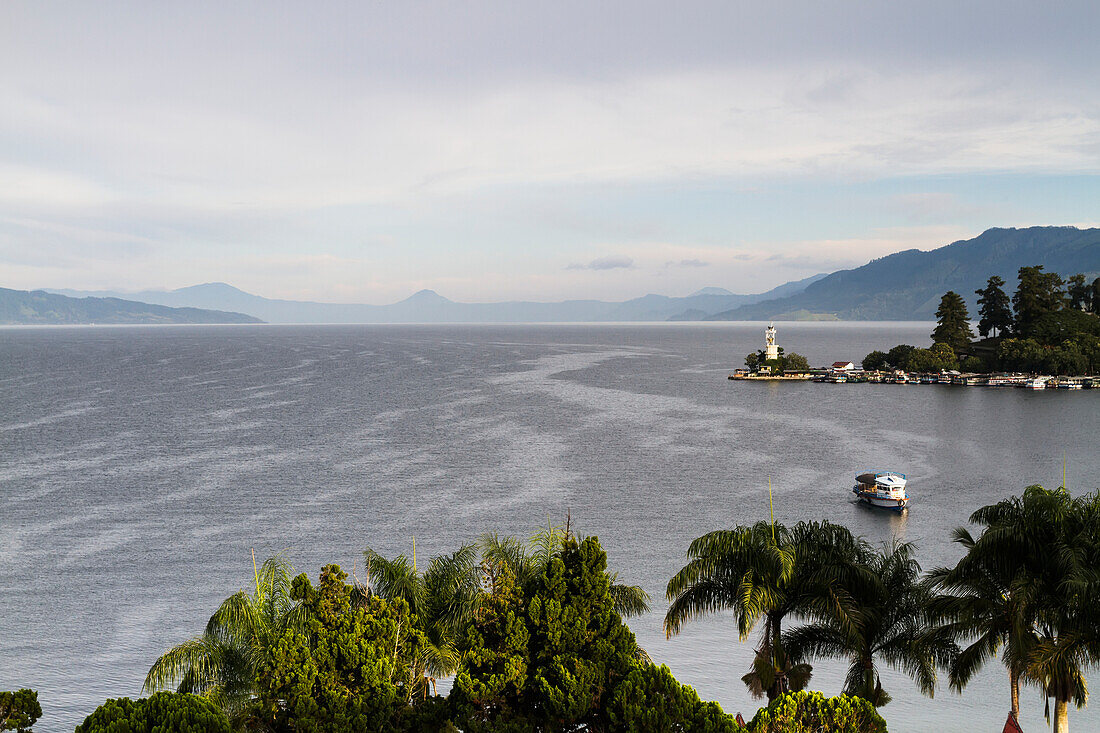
pixel 885 489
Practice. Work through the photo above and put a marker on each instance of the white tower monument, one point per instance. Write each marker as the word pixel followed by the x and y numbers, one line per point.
pixel 771 349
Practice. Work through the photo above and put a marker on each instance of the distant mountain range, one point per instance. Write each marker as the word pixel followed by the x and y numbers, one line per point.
pixel 427 306
pixel 902 286
pixel 908 285
pixel 39 307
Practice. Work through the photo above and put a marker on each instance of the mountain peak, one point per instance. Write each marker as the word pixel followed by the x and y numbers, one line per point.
pixel 218 288
pixel 710 291
pixel 426 297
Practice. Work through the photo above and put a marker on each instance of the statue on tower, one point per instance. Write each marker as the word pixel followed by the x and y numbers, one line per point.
pixel 771 349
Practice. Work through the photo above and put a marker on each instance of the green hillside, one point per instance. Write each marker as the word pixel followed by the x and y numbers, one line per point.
pixel 908 285
pixel 22 307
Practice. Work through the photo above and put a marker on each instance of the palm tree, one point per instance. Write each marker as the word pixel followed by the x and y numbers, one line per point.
pixel 1067 645
pixel 1026 583
pixel 991 604
pixel 766 572
pixel 890 626
pixel 443 598
pixel 223 662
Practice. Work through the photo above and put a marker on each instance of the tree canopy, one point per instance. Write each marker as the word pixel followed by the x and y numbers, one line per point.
pixel 953 322
pixel 19 710
pixel 994 308
pixel 163 712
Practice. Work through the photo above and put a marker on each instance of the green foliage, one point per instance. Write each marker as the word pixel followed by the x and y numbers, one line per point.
pixel 528 563
pixel 812 712
pixel 1080 355
pixel 753 361
pixel 993 308
pixel 938 358
pixel 443 598
pixel 1078 293
pixel 223 663
pixel 488 689
pixel 793 362
pixel 1038 294
pixel 973 364
pixel 1057 326
pixel 953 327
pixel 164 712
pixel 766 572
pixel 1022 355
pixel 1027 586
pixel 547 653
pixel 651 699
pixel 898 356
pixel 891 626
pixel 351 664
pixel 19 710
pixel 876 361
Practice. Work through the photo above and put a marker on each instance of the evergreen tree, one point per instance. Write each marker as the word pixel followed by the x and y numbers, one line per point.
pixel 1038 293
pixel 164 712
pixel 953 328
pixel 812 712
pixel 352 664
pixel 19 710
pixel 651 699
pixel 1095 297
pixel 1078 292
pixel 552 654
pixel 994 308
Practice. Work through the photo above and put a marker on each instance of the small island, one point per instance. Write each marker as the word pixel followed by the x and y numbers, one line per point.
pixel 772 364
pixel 1046 336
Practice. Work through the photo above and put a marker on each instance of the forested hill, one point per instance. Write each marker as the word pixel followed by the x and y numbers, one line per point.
pixel 908 285
pixel 38 307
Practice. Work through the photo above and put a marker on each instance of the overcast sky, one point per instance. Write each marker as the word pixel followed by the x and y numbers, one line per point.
pixel 361 151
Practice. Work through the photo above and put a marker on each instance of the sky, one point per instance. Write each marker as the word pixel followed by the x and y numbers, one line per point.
pixel 359 152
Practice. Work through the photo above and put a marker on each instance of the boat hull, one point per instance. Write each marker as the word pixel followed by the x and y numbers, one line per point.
pixel 882 502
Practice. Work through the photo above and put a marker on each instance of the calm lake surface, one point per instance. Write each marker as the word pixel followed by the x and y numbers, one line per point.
pixel 141 465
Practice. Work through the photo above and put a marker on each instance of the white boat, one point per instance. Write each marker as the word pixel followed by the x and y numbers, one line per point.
pixel 1036 383
pixel 884 489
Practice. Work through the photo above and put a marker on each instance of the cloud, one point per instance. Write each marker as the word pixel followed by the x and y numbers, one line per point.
pixel 449 134
pixel 603 263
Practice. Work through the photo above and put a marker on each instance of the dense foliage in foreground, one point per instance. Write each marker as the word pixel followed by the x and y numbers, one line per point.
pixel 535 639
pixel 19 710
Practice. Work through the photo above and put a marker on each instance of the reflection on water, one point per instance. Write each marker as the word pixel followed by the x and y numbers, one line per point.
pixel 141 466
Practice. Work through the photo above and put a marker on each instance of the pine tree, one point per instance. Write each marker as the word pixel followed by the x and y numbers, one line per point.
pixel 164 712
pixel 1078 291
pixel 994 308
pixel 1038 293
pixel 954 322
pixel 352 664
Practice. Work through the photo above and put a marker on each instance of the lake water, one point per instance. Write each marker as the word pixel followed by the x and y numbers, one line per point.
pixel 141 465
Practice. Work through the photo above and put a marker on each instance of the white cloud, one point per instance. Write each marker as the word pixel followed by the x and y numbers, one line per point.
pixel 243 133
pixel 604 263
